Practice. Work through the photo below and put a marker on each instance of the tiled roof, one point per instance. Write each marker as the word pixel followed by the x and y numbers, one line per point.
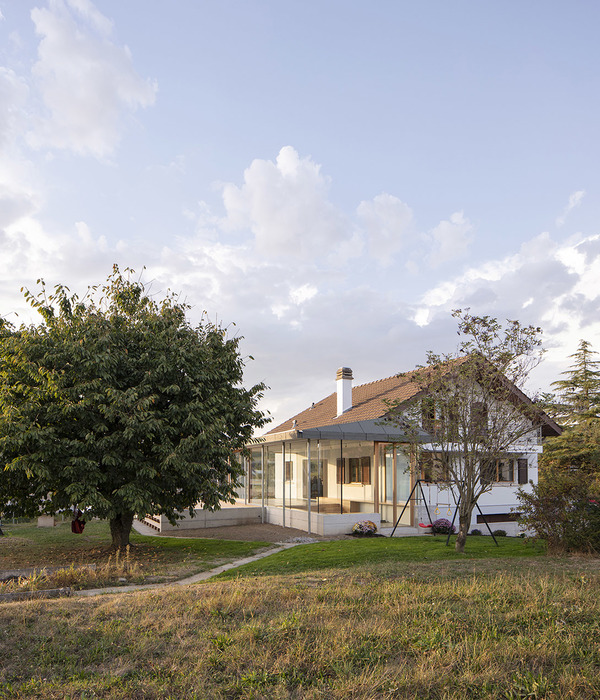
pixel 368 403
pixel 371 401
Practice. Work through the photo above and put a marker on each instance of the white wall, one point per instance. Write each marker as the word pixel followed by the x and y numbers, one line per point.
pixel 502 498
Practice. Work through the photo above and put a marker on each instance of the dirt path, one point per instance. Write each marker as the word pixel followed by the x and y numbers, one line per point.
pixel 251 533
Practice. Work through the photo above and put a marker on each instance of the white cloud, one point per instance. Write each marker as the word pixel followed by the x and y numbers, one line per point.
pixel 450 239
pixel 389 224
pixel 285 205
pixel 13 97
pixel 87 82
pixel 574 201
pixel 303 293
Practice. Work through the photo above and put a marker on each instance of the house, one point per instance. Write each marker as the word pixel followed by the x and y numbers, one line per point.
pixel 340 461
pixel 360 467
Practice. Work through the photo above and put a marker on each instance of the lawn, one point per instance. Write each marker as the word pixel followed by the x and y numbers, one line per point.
pixel 150 559
pixel 526 628
pixel 344 554
pixel 362 619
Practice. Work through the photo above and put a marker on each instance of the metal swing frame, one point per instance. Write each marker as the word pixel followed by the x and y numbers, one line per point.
pixel 414 488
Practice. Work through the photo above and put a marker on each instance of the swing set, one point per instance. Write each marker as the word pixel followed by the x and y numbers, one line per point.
pixel 437 511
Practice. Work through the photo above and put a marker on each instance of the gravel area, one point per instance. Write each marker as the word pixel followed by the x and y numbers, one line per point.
pixel 250 533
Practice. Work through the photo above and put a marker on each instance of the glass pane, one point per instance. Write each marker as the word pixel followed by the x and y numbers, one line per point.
pixel 255 495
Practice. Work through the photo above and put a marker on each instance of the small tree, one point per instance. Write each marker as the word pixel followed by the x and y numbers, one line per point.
pixel 117 404
pixel 470 413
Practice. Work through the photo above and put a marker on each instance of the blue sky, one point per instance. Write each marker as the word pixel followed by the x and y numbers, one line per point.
pixel 333 177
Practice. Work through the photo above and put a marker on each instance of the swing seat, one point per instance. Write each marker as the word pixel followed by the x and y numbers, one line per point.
pixel 424 525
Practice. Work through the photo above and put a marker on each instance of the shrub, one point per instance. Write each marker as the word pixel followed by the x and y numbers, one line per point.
pixel 562 509
pixel 475 531
pixel 499 533
pixel 364 528
pixel 442 527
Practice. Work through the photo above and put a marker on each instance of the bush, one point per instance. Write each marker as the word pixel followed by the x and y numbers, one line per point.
pixel 475 531
pixel 499 533
pixel 563 510
pixel 442 527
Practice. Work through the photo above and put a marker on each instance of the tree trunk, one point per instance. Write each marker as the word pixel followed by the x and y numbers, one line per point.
pixel 464 520
pixel 120 527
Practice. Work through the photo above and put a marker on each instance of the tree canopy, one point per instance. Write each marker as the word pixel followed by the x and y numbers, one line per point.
pixel 577 397
pixel 470 412
pixel 576 405
pixel 117 404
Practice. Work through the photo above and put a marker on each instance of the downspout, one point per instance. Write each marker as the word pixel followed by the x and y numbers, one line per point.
pixel 283 480
pixel 342 477
pixel 320 476
pixel 262 483
pixel 308 483
pixel 394 484
pixel 376 477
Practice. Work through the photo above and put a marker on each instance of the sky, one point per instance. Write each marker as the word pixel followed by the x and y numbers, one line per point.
pixel 328 179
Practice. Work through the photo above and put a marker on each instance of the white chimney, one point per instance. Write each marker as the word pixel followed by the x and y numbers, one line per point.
pixel 344 389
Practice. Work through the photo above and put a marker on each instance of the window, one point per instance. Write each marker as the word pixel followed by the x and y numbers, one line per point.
pixel 428 415
pixel 500 471
pixel 441 419
pixel 433 469
pixel 505 470
pixel 355 470
pixel 289 471
pixel 498 518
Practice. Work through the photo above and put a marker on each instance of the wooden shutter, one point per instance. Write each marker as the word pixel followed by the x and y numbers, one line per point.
pixel 522 470
pixel 487 472
pixel 479 419
pixel 354 470
pixel 343 477
pixel 365 464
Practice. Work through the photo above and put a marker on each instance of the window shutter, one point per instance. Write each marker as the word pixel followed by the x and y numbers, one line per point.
pixel 522 469
pixel 487 472
pixel 365 463
pixel 343 477
pixel 479 419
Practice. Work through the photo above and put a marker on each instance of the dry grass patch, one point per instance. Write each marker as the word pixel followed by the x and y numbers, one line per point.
pixel 477 632
pixel 86 561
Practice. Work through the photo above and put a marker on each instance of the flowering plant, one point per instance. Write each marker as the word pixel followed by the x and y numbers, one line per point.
pixel 442 527
pixel 364 528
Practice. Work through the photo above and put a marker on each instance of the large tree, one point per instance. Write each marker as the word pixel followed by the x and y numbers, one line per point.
pixel 576 397
pixel 471 412
pixel 576 405
pixel 117 404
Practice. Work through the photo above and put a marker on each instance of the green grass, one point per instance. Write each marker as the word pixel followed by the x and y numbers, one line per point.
pixel 155 558
pixel 343 554
pixel 363 619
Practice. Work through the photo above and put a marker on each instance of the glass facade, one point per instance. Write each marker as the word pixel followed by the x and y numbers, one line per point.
pixel 338 477
pixel 394 483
